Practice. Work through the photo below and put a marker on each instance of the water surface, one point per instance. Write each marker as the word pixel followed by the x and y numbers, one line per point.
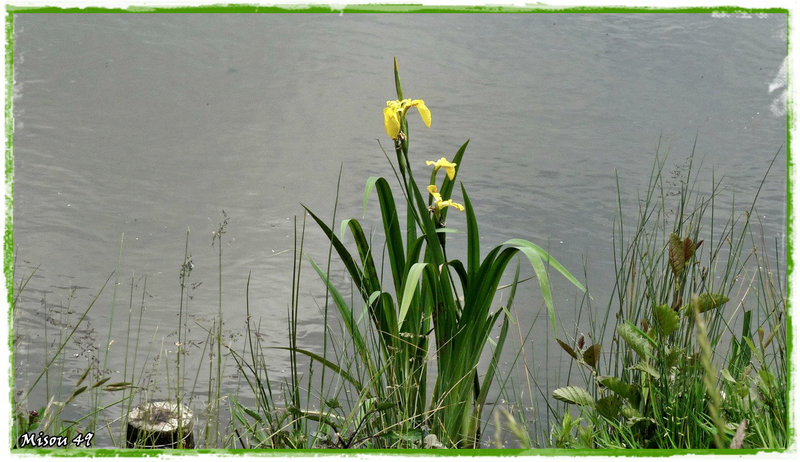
pixel 131 129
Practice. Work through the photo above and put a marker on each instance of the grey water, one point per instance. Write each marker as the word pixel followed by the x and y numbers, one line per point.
pixel 130 129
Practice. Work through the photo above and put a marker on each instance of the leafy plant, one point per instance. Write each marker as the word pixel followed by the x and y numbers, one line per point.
pixel 426 293
pixel 661 385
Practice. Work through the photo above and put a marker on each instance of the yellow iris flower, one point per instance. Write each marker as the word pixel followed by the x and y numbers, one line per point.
pixel 449 167
pixel 395 111
pixel 439 203
pixel 434 191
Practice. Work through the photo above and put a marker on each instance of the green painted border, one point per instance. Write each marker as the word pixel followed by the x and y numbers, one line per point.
pixel 400 8
pixel 8 232
pixel 8 238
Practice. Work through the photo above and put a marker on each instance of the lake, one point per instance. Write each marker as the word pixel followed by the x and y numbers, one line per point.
pixel 130 129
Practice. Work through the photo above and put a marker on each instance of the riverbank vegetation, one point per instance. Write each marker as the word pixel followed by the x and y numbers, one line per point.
pixel 689 351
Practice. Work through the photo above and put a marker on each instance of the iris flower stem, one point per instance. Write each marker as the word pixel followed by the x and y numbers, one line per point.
pixel 401 162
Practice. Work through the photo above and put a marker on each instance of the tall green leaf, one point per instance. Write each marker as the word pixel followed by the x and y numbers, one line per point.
pixel 473 237
pixel 391 227
pixel 410 285
pixel 347 317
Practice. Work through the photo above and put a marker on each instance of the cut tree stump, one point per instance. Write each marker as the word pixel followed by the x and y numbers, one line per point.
pixel 160 425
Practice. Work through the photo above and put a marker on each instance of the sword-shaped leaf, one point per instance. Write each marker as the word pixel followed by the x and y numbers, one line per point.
pixel 409 288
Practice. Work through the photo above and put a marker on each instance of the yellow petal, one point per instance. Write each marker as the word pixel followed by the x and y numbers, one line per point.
pixel 434 191
pixel 424 112
pixel 395 105
pixel 391 122
pixel 449 167
pixel 449 203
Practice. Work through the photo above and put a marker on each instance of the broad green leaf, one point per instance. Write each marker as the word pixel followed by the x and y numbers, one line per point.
pixel 635 339
pixel 473 237
pixel 409 287
pixel 668 320
pixel 727 375
pixel 520 243
pixel 609 406
pixel 414 251
pixel 705 302
pixel 592 355
pixel 460 271
pixel 574 395
pixel 677 259
pixel 391 228
pixel 373 296
pixel 689 247
pixel 648 369
pixel 567 348
pixel 349 263
pixel 631 413
pixel 367 190
pixel 537 263
pixel 617 386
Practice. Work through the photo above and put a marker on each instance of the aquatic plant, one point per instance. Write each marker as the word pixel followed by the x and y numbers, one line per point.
pixel 426 293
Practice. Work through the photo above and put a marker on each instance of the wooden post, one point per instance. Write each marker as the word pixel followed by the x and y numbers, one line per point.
pixel 160 425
